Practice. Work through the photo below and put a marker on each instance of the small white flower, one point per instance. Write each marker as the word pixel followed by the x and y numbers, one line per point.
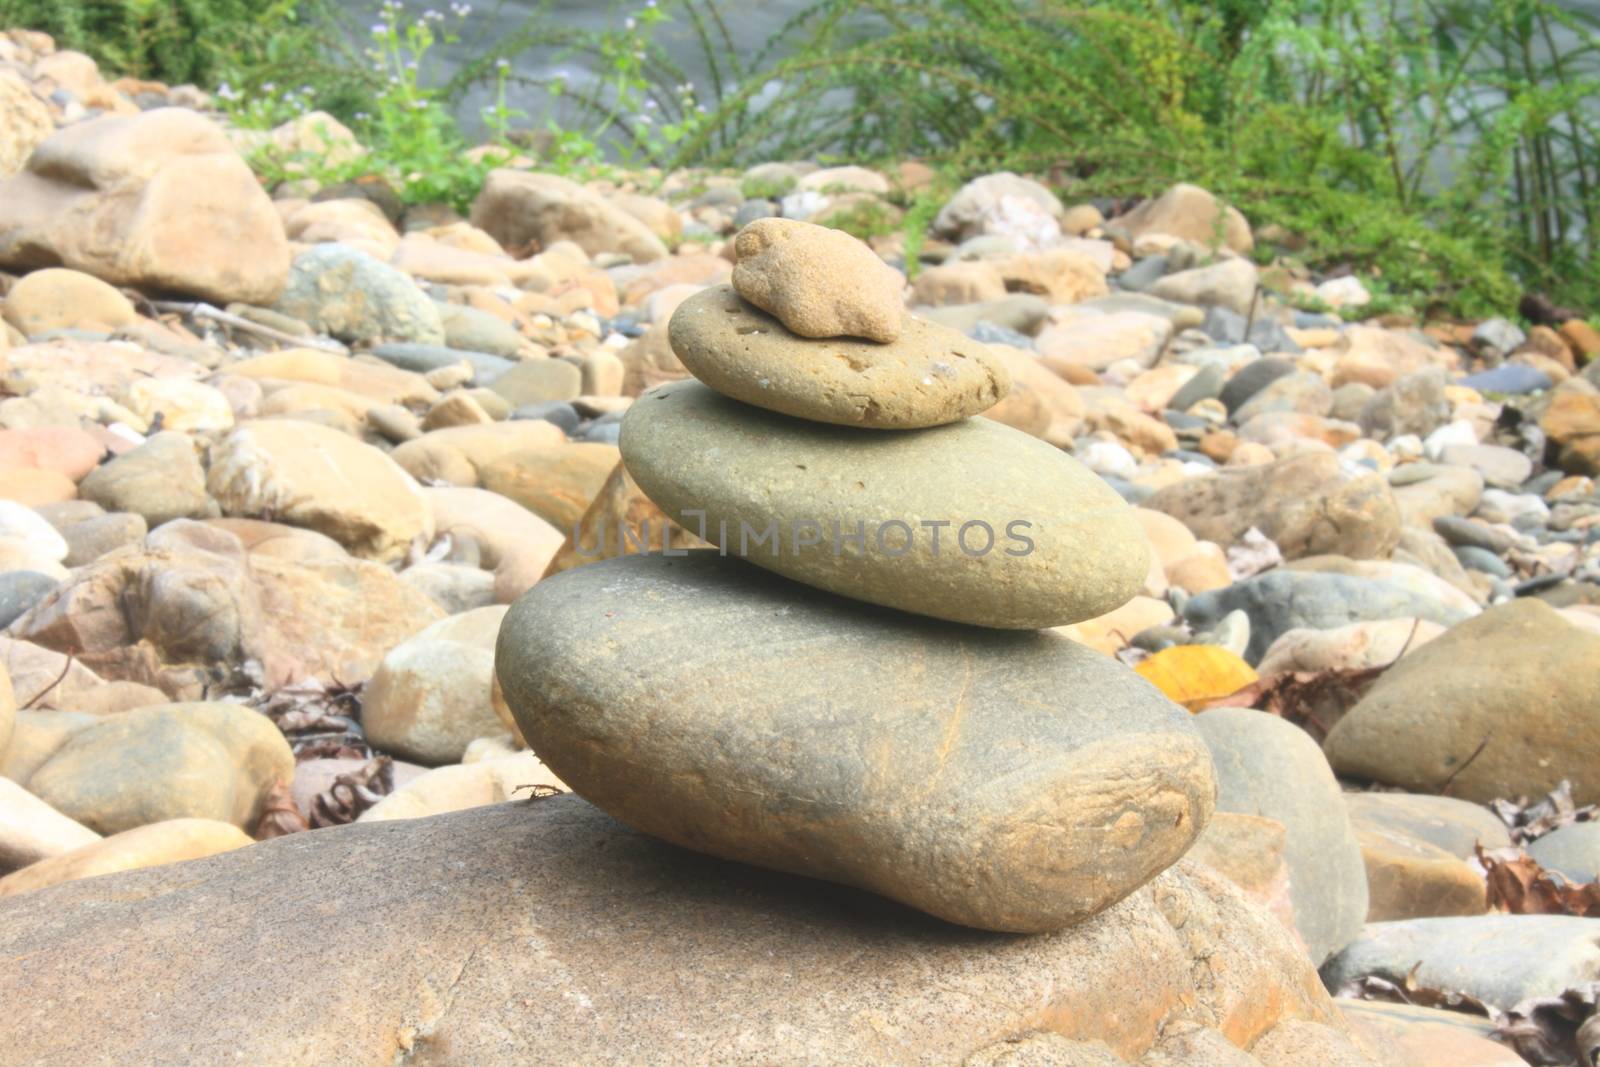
pixel 630 24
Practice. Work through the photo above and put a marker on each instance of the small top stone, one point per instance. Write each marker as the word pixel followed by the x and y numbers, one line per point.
pixel 931 376
pixel 818 282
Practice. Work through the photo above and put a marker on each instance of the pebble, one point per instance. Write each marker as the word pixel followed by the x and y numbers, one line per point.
pixel 1572 851
pixel 539 381
pixel 170 841
pixel 312 476
pixel 55 298
pixel 1107 787
pixel 928 377
pixel 158 481
pixel 1251 379
pixel 1281 600
pixel 21 590
pixel 31 830
pixel 202 760
pixel 1373 486
pixel 1456 827
pixel 1307 505
pixel 559 412
pixel 1511 378
pixel 1063 547
pixel 1500 959
pixel 818 282
pixel 347 294
pixel 1428 1037
pixel 429 698
pixel 423 358
pixel 1520 661
pixel 1268 767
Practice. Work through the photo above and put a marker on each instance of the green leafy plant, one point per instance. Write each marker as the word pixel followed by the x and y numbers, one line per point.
pixel 175 41
pixel 756 189
pixel 1447 148
pixel 413 139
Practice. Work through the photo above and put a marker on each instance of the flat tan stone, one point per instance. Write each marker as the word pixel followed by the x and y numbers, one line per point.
pixel 1428 1037
pixel 545 932
pixel 929 376
pixel 1412 879
pixel 309 475
pixel 31 830
pixel 557 482
pixel 55 298
pixel 145 846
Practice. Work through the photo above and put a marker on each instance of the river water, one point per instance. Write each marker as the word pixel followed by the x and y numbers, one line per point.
pixel 750 24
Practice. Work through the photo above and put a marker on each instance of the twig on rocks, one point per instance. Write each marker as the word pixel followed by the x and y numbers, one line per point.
pixel 41 694
pixel 1444 790
pixel 239 322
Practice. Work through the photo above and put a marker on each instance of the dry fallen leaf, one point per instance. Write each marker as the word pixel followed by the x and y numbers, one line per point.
pixel 319 721
pixel 1561 1031
pixel 1255 552
pixel 1372 987
pixel 1313 700
pixel 353 793
pixel 1530 819
pixel 279 816
pixel 1518 885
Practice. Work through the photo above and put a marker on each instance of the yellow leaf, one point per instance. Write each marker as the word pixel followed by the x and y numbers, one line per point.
pixel 1193 674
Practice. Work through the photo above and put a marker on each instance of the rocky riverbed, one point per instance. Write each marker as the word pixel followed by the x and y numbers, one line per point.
pixel 638 623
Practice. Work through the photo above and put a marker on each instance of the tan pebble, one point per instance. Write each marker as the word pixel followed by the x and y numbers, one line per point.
pixel 818 282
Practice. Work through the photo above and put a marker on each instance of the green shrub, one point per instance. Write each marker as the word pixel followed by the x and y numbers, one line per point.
pixel 1342 119
pixel 1445 149
pixel 413 140
pixel 176 41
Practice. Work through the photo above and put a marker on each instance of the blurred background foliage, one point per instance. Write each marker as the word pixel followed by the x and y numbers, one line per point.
pixel 1447 149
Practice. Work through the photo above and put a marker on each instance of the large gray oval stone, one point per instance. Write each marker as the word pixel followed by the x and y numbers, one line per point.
pixel 1064 546
pixel 1282 600
pixel 1008 781
pixel 1269 767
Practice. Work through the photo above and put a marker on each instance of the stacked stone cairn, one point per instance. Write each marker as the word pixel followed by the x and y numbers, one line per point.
pixel 872 693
